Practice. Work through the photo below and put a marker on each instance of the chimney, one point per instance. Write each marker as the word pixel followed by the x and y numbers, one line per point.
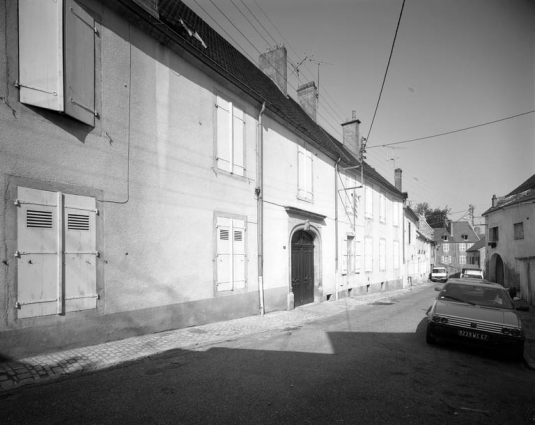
pixel 397 178
pixel 351 135
pixel 274 65
pixel 307 95
pixel 494 199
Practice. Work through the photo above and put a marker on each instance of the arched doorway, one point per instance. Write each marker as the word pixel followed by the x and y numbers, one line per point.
pixel 499 271
pixel 303 268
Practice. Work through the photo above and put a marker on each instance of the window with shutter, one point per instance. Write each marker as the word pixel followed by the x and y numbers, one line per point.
pixel 56 248
pixel 230 135
pixel 369 201
pixel 57 58
pixel 231 254
pixel 382 254
pixel 382 215
pixel 344 255
pixel 305 174
pixel 396 254
pixel 368 254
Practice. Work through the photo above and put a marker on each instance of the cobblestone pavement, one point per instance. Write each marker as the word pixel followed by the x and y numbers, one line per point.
pixel 43 368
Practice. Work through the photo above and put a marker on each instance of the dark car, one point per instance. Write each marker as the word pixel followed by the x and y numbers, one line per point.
pixel 476 313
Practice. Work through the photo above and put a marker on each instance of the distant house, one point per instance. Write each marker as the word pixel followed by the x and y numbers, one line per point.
pixel 511 240
pixel 476 254
pixel 452 243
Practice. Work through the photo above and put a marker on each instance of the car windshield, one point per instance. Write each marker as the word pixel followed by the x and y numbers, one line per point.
pixel 439 271
pixel 494 297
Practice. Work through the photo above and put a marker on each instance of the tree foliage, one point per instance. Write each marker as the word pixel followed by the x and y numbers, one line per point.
pixel 435 217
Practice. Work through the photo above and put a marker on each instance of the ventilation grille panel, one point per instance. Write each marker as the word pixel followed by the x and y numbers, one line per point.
pixel 39 219
pixel 77 222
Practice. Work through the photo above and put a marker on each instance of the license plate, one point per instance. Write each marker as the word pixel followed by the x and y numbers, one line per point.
pixel 473 335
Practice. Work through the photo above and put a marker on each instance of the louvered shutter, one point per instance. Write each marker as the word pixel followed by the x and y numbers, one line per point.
pixel 369 202
pixel 224 254
pixel 238 134
pixel 344 255
pixel 368 254
pixel 382 254
pixel 37 246
pixel 238 251
pixel 309 176
pixel 223 134
pixel 79 63
pixel 41 53
pixel 80 253
pixel 358 254
pixel 301 170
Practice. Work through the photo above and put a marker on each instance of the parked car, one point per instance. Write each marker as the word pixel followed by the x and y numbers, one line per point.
pixel 480 313
pixel 439 274
pixel 472 274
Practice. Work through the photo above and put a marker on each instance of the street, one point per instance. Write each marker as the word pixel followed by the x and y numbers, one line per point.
pixel 367 365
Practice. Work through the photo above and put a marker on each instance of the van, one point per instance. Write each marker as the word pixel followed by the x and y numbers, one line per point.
pixel 439 274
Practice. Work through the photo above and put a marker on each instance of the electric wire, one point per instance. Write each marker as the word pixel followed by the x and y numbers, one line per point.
pixel 454 131
pixel 386 71
pixel 250 23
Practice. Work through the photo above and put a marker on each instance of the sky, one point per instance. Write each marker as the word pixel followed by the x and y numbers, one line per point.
pixel 462 67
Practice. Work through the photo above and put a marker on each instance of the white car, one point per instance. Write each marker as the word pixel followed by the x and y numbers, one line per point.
pixel 472 274
pixel 439 274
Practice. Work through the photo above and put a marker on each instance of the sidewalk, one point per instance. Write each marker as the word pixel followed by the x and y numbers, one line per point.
pixel 47 367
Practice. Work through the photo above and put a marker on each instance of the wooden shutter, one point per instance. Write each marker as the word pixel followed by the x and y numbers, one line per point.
pixel 238 138
pixel 301 173
pixel 80 256
pixel 223 134
pixel 224 254
pixel 41 53
pixel 369 202
pixel 368 254
pixel 358 253
pixel 344 255
pixel 38 281
pixel 382 254
pixel 309 175
pixel 79 63
pixel 238 251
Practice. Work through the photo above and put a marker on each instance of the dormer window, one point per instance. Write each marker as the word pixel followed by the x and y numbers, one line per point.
pixel 444 237
pixel 465 237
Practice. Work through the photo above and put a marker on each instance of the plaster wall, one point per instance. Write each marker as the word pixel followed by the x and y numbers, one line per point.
pixel 149 162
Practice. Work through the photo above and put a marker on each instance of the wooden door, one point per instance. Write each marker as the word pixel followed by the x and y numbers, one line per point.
pixel 303 268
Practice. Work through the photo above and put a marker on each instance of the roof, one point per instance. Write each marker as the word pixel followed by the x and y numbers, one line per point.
pixel 202 41
pixel 478 245
pixel 458 228
pixel 523 193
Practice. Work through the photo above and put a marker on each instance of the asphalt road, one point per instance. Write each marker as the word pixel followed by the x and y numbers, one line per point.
pixel 369 365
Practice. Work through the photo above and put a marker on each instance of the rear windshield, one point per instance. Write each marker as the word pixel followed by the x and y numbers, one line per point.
pixel 486 297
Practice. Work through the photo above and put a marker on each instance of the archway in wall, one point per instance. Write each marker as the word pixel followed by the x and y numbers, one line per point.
pixel 303 267
pixel 499 272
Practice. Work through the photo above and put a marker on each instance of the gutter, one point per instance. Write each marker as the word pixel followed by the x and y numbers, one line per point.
pixel 259 190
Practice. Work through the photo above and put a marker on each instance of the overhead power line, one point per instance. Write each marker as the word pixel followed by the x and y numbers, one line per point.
pixel 386 71
pixel 453 131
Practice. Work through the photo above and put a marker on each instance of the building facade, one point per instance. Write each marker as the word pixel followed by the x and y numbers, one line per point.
pixel 510 256
pixel 154 178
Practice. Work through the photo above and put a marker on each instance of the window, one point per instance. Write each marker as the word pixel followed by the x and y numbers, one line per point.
pixel 382 212
pixel 396 255
pixel 519 230
pixel 230 256
pixel 369 201
pixel 462 259
pixel 465 237
pixel 56 248
pixel 57 61
pixel 347 255
pixel 462 247
pixel 368 254
pixel 230 135
pixel 493 234
pixel 305 175
pixel 446 247
pixel 409 230
pixel 358 250
pixel 382 254
pixel 395 217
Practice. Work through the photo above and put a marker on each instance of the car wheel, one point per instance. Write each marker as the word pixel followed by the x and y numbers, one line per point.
pixel 430 339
